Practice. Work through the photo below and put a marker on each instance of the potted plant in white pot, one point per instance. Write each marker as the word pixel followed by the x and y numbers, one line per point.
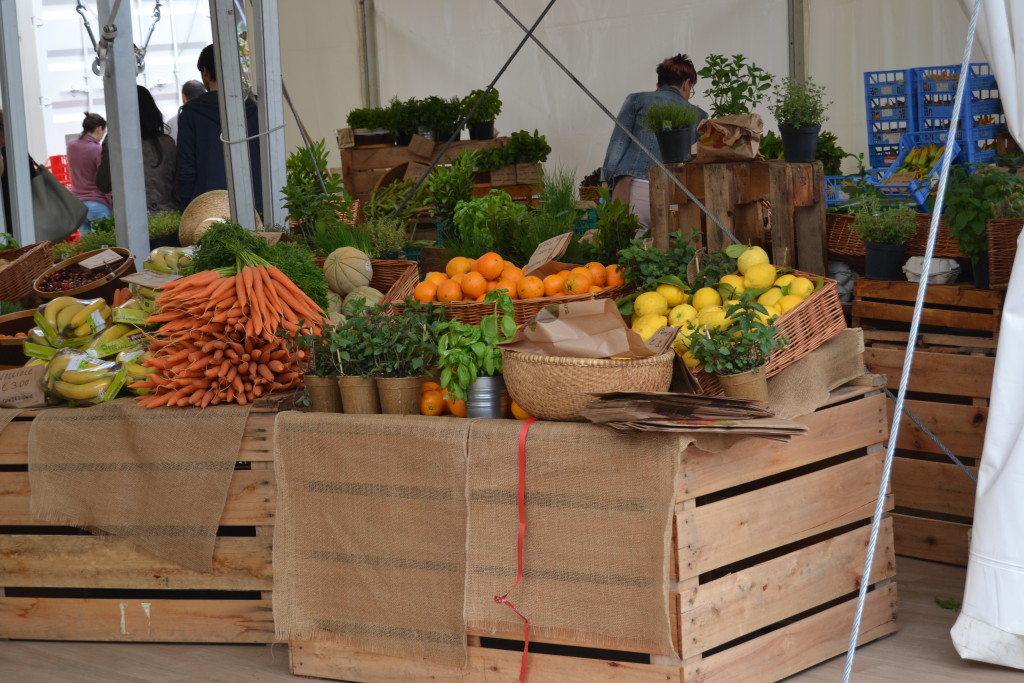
pixel 673 125
pixel 885 231
pixel 799 107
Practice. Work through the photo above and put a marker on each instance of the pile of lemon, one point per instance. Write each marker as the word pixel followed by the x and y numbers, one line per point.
pixel 671 305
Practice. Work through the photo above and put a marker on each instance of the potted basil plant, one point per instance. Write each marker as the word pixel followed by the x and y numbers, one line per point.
pixel 481 122
pixel 673 125
pixel 885 231
pixel 799 107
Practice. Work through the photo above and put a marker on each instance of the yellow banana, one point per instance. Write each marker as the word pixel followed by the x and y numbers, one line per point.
pixel 66 314
pixel 131 303
pixel 35 361
pixel 80 377
pixel 81 331
pixel 111 333
pixel 51 309
pixel 171 259
pixel 147 292
pixel 55 368
pixel 136 371
pixel 82 316
pixel 156 257
pixel 36 336
pixel 82 392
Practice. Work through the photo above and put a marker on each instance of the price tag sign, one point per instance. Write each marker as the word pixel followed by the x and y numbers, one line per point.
pixel 547 251
pixel 104 258
pixel 150 278
pixel 662 339
pixel 22 387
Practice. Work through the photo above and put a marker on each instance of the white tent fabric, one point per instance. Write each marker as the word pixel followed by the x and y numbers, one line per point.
pixel 991 624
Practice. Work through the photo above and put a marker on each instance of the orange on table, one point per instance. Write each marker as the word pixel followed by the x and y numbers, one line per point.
pixel 530 287
pixel 509 287
pixel 576 283
pixel 511 273
pixel 474 285
pixel 553 285
pixel 449 290
pixel 518 412
pixel 429 386
pixel 613 275
pixel 595 288
pixel 492 285
pixel 435 277
pixel 432 403
pixel 598 274
pixel 458 278
pixel 458 265
pixel 584 271
pixel 490 265
pixel 563 273
pixel 455 406
pixel 425 291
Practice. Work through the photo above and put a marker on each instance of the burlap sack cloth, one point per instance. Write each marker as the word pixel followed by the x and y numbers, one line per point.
pixel 598 532
pixel 7 415
pixel 370 535
pixel 156 477
pixel 805 386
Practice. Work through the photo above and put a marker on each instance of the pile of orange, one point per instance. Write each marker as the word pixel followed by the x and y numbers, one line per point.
pixel 435 401
pixel 467 280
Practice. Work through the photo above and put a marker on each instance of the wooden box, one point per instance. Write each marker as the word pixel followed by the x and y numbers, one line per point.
pixel 529 174
pixel 506 175
pixel 769 539
pixel 948 391
pixel 62 583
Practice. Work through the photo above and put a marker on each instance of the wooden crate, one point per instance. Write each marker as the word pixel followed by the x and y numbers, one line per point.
pixel 62 583
pixel 948 391
pixel 774 204
pixel 770 541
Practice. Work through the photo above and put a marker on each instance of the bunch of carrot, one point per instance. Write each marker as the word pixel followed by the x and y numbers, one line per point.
pixel 218 342
pixel 121 297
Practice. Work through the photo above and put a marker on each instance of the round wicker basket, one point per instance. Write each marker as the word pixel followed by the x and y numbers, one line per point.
pixel 103 287
pixel 206 209
pixel 557 388
pixel 11 347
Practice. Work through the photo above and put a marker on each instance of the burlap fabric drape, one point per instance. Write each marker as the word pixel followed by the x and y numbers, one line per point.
pixel 370 537
pixel 7 415
pixel 805 386
pixel 156 477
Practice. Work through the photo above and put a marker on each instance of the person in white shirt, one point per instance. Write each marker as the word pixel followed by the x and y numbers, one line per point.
pixel 188 91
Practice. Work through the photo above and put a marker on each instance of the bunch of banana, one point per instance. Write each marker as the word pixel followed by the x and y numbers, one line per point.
pixel 145 296
pixel 920 160
pixel 82 378
pixel 169 259
pixel 132 361
pixel 70 318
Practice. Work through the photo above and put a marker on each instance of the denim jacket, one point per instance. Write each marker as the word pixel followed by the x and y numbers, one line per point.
pixel 623 156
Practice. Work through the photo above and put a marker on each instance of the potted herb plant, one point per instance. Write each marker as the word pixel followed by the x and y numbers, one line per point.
pixel 673 125
pixel 885 231
pixel 481 121
pixel 450 124
pixel 406 350
pixel 307 203
pixel 385 237
pixel 446 187
pixel 484 224
pixel 471 360
pixel 163 229
pixel 799 107
pixel 403 117
pixel 370 126
pixel 734 86
pixel 737 350
pixel 320 369
pixel 354 343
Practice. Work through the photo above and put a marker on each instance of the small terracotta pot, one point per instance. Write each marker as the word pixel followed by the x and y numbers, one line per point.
pixel 359 395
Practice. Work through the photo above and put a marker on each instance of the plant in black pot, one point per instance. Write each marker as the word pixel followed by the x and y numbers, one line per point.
pixel 885 231
pixel 799 107
pixel 163 229
pixel 432 113
pixel 450 122
pixel 673 125
pixel 404 118
pixel 370 126
pixel 446 187
pixel 481 121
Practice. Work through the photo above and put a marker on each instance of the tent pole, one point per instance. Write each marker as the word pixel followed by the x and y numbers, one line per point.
pixel 267 68
pixel 15 127
pixel 797 43
pixel 369 73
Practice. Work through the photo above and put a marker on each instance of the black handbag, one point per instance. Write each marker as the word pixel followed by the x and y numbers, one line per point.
pixel 56 212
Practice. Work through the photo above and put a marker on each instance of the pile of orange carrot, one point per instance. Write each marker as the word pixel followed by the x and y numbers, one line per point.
pixel 218 342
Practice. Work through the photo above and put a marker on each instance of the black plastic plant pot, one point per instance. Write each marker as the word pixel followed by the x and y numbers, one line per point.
pixel 481 130
pixel 402 138
pixel 799 145
pixel 980 268
pixel 884 261
pixel 675 145
pixel 446 135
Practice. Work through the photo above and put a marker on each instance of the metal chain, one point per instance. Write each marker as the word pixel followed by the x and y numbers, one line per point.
pixel 101 65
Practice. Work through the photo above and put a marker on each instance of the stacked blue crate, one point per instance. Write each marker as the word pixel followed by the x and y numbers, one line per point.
pixel 981 115
pixel 889 102
pixel 918 190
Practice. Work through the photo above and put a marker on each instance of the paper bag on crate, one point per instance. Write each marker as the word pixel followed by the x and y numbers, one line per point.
pixel 736 137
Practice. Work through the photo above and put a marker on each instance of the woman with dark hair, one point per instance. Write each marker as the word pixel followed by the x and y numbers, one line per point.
pixel 625 165
pixel 159 157
pixel 83 163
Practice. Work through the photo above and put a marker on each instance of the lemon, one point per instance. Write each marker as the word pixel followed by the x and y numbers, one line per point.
pixel 647 325
pixel 752 257
pixel 673 295
pixel 801 287
pixel 713 316
pixel 787 302
pixel 771 297
pixel 650 303
pixel 689 360
pixel 734 281
pixel 682 314
pixel 784 280
pixel 705 296
pixel 759 276
pixel 773 312
pixel 683 338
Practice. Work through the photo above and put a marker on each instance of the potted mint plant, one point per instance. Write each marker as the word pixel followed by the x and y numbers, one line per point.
pixel 406 350
pixel 885 231
pixel 799 107
pixel 673 125
pixel 354 343
pixel 320 369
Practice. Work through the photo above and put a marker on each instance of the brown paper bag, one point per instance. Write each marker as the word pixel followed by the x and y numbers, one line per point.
pixel 736 137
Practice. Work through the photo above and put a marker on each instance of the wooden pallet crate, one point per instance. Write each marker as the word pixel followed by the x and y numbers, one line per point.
pixel 62 583
pixel 774 204
pixel 959 309
pixel 770 541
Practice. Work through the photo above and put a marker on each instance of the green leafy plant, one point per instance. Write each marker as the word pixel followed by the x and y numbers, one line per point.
pixel 522 147
pixel 799 104
pixel 403 116
pixel 971 199
pixel 662 116
pixel 736 85
pixel 406 345
pixel 164 223
pixel 556 214
pixel 305 199
pixel 328 236
pixel 385 235
pixel 484 224
pixel 489 108
pixel 321 355
pixel 7 241
pixel 446 187
pixel 745 344
pixel 616 227
pixel 434 113
pixel 644 267
pixel 7 307
pixel 884 225
pixel 384 201
pixel 370 119
pixel 469 351
pixel 355 342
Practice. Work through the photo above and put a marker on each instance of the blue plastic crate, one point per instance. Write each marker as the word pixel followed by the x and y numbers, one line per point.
pixel 889 109
pixel 882 156
pixel 944 79
pixel 975 153
pixel 886 132
pixel 587 222
pixel 917 190
pixel 894 83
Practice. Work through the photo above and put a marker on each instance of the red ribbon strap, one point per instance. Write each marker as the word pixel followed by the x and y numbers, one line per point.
pixel 503 599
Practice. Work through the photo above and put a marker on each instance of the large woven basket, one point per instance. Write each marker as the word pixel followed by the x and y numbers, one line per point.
pixel 557 388
pixel 843 239
pixel 807 326
pixel 472 311
pixel 104 287
pixel 1002 249
pixel 11 347
pixel 396 279
pixel 26 263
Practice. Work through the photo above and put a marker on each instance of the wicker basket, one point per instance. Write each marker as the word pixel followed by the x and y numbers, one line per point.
pixel 557 388
pixel 396 279
pixel 807 326
pixel 11 352
pixel 103 287
pixel 589 193
pixel 26 263
pixel 843 239
pixel 471 312
pixel 1002 249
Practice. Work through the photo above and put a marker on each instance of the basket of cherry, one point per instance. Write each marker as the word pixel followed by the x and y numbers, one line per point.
pixel 92 274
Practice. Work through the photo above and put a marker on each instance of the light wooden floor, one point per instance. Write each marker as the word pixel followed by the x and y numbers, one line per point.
pixel 921 652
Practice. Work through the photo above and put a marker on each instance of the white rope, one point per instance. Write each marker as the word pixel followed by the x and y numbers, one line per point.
pixel 908 358
pixel 251 137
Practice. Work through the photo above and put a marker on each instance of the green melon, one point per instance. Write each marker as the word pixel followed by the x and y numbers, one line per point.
pixel 346 269
pixel 369 295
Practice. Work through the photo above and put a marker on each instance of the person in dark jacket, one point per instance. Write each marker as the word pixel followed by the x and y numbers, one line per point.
pixel 200 149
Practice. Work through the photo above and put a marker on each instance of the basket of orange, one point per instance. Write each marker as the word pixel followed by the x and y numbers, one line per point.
pixel 465 281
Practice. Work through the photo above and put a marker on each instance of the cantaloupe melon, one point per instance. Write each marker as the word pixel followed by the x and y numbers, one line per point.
pixel 347 268
pixel 369 295
pixel 336 318
pixel 333 302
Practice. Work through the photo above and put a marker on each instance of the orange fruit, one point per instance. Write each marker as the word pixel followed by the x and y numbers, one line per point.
pixel 509 287
pixel 598 275
pixel 435 277
pixel 458 265
pixel 576 283
pixel 449 290
pixel 455 406
pixel 431 403
pixel 595 288
pixel 458 278
pixel 518 412
pixel 553 285
pixel 429 386
pixel 613 275
pixel 511 273
pixel 481 298
pixel 492 285
pixel 490 265
pixel 474 285
pixel 530 287
pixel 585 272
pixel 564 273
pixel 425 291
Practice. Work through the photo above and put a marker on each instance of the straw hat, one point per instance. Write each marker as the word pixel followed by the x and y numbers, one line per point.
pixel 206 209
